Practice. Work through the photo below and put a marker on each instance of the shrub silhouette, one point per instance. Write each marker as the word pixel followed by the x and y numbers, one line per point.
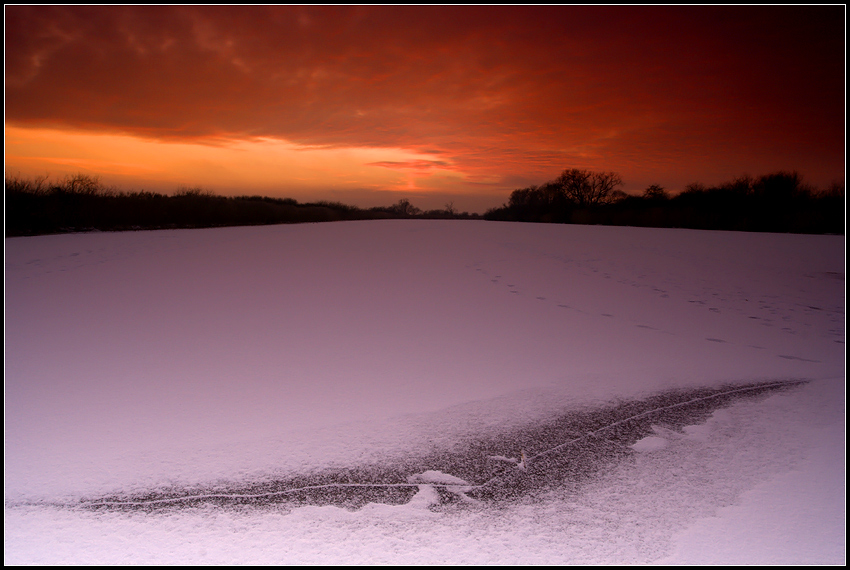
pixel 559 200
pixel 776 202
pixel 82 202
pixel 404 208
pixel 656 192
pixel 585 188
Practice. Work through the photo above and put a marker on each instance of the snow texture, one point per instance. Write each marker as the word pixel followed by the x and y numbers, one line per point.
pixel 424 392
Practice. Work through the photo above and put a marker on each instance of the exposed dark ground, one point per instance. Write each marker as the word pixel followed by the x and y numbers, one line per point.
pixel 564 452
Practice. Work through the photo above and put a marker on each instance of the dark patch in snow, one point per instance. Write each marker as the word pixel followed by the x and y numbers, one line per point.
pixel 828 274
pixel 516 464
pixel 789 357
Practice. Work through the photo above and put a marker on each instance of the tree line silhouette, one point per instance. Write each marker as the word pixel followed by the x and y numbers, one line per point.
pixel 777 202
pixel 83 203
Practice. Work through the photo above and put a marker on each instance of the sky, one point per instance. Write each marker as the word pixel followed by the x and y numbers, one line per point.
pixel 436 104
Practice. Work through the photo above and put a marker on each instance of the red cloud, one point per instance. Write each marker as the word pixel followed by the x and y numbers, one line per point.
pixel 419 166
pixel 527 90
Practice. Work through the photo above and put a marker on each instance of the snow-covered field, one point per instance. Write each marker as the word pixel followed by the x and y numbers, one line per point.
pixel 424 392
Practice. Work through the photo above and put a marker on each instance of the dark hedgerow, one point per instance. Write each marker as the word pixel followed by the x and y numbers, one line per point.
pixel 777 202
pixel 83 203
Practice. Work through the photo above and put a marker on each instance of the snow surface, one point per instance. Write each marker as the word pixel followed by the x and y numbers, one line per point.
pixel 199 359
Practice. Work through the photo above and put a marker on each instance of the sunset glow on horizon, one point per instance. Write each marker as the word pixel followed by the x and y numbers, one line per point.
pixel 437 104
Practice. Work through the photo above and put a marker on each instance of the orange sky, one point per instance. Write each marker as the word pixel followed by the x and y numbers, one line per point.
pixel 367 105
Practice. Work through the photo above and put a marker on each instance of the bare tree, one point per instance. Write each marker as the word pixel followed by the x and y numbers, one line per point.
pixel 404 208
pixel 656 192
pixel 586 188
